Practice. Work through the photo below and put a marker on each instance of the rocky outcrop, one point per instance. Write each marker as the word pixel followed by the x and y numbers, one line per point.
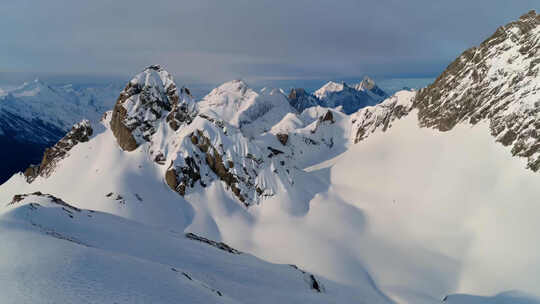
pixel 17 198
pixel 80 132
pixel 189 174
pixel 380 117
pixel 314 284
pixel 123 134
pixel 496 81
pixel 147 97
pixel 218 245
pixel 327 117
pixel 181 112
pixel 282 138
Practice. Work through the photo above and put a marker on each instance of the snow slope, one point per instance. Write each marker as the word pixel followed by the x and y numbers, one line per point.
pixel 56 253
pixel 442 211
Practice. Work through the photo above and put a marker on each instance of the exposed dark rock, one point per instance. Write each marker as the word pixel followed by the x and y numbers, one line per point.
pixel 274 152
pixel 314 284
pixel 220 245
pixel 123 134
pixel 134 121
pixel 67 207
pixel 327 117
pixel 469 91
pixel 170 179
pixel 180 113
pixel 367 120
pixel 283 138
pixel 80 132
pixel 160 158
pixel 311 280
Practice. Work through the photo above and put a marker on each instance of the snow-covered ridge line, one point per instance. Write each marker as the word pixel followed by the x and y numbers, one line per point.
pixel 497 81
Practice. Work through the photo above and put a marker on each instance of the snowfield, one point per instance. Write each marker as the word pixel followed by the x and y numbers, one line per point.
pixel 55 253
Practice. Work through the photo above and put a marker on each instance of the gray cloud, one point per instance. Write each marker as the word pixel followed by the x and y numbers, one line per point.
pixel 215 40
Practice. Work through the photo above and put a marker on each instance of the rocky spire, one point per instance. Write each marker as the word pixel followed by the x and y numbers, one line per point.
pixel 148 97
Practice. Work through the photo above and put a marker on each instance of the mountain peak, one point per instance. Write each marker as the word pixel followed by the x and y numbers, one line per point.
pixel 495 81
pixel 149 96
pixel 330 88
pixel 369 86
pixel 531 15
pixel 366 84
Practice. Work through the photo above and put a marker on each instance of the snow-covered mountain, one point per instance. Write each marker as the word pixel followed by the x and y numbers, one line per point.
pixel 348 99
pixel 57 106
pixel 417 199
pixel 36 115
pixel 250 111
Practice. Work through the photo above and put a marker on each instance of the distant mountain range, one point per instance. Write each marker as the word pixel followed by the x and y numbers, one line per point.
pixel 36 115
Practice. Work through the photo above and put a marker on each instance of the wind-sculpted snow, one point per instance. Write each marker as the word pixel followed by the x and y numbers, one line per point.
pixel 53 252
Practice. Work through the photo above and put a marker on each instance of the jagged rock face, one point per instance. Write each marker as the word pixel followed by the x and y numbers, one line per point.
pixel 497 81
pixel 301 100
pixel 181 112
pixel 147 97
pixel 80 132
pixel 380 117
pixel 208 154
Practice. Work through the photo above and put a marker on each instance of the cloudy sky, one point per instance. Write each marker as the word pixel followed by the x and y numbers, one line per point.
pixel 217 40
